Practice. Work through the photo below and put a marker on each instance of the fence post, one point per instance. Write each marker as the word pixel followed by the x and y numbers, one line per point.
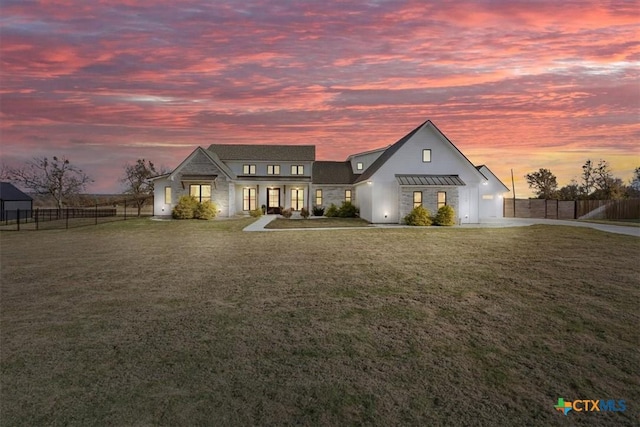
pixel 18 218
pixel 67 221
pixel 125 210
pixel 96 214
pixel 37 219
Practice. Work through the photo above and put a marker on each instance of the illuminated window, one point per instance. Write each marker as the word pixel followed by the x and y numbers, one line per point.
pixel 417 199
pixel 249 169
pixel 318 197
pixel 297 170
pixel 426 156
pixel 167 195
pixel 297 199
pixel 273 169
pixel 201 192
pixel 248 199
pixel 347 195
pixel 442 199
pixel 359 166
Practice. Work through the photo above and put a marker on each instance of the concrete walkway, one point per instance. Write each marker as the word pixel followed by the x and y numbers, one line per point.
pixel 261 222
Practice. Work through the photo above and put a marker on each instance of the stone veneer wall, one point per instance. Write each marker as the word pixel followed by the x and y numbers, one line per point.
pixel 429 199
pixel 332 194
pixel 202 165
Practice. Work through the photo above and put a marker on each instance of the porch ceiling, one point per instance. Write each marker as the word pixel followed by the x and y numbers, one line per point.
pixel 436 180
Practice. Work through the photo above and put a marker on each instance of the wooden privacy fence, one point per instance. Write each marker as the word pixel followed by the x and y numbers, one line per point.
pixel 572 209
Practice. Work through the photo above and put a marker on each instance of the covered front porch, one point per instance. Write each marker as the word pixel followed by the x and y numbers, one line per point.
pixel 272 195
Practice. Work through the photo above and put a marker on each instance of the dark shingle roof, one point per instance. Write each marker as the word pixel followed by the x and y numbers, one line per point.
pixel 264 152
pixel 9 192
pixel 387 154
pixel 429 180
pixel 325 172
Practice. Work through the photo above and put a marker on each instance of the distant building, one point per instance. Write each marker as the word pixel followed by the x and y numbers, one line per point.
pixel 12 199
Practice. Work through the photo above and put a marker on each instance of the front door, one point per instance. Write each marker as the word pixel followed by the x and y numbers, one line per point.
pixel 273 200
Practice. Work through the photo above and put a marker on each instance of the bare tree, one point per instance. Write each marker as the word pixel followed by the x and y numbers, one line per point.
pixel 57 178
pixel 136 177
pixel 588 178
pixel 543 182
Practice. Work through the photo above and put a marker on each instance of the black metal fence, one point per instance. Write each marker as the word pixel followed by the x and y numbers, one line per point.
pixel 41 219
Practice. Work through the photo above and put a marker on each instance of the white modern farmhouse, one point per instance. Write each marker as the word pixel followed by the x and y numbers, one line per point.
pixel 423 167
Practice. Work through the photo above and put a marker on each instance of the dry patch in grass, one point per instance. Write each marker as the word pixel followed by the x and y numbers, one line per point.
pixel 173 323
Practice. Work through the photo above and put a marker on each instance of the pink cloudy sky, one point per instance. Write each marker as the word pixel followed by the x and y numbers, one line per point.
pixel 514 84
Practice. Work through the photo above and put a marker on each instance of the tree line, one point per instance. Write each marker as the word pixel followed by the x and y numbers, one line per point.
pixel 59 179
pixel 596 183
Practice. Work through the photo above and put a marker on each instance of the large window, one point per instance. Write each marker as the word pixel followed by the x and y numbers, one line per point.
pixel 426 156
pixel 417 199
pixel 249 169
pixel 297 169
pixel 167 195
pixel 347 195
pixel 318 197
pixel 297 199
pixel 442 199
pixel 201 192
pixel 273 169
pixel 248 199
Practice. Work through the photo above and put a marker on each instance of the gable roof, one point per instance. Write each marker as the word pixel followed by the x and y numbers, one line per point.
pixel 264 152
pixel 364 153
pixel 325 172
pixel 484 170
pixel 210 155
pixel 395 147
pixel 10 192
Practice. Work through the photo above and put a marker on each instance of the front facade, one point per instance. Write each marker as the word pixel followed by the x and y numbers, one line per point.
pixel 422 168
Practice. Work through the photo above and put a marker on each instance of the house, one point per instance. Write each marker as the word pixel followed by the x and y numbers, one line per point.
pixel 422 168
pixel 12 200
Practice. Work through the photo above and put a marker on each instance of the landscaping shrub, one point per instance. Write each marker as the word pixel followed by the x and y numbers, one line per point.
pixel 287 213
pixel 332 211
pixel 205 210
pixel 304 213
pixel 185 209
pixel 445 216
pixel 256 212
pixel 418 216
pixel 318 211
pixel 348 210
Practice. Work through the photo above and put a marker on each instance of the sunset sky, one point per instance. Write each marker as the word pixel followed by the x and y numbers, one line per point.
pixel 516 85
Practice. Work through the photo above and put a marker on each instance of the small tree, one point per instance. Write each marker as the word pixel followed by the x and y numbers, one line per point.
pixel 418 216
pixel 570 191
pixel 543 182
pixel 588 178
pixel 445 216
pixel 136 177
pixel 57 178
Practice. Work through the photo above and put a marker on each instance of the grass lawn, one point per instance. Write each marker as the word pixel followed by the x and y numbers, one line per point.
pixel 621 222
pixel 281 223
pixel 190 323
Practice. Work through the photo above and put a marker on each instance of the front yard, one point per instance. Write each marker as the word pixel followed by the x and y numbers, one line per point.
pixel 190 323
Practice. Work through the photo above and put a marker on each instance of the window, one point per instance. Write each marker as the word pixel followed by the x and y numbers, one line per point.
pixel 318 197
pixel 297 170
pixel 201 192
pixel 249 169
pixel 273 169
pixel 442 199
pixel 426 156
pixel 417 199
pixel 359 166
pixel 248 199
pixel 297 199
pixel 273 197
pixel 347 195
pixel 167 195
pixel 487 197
